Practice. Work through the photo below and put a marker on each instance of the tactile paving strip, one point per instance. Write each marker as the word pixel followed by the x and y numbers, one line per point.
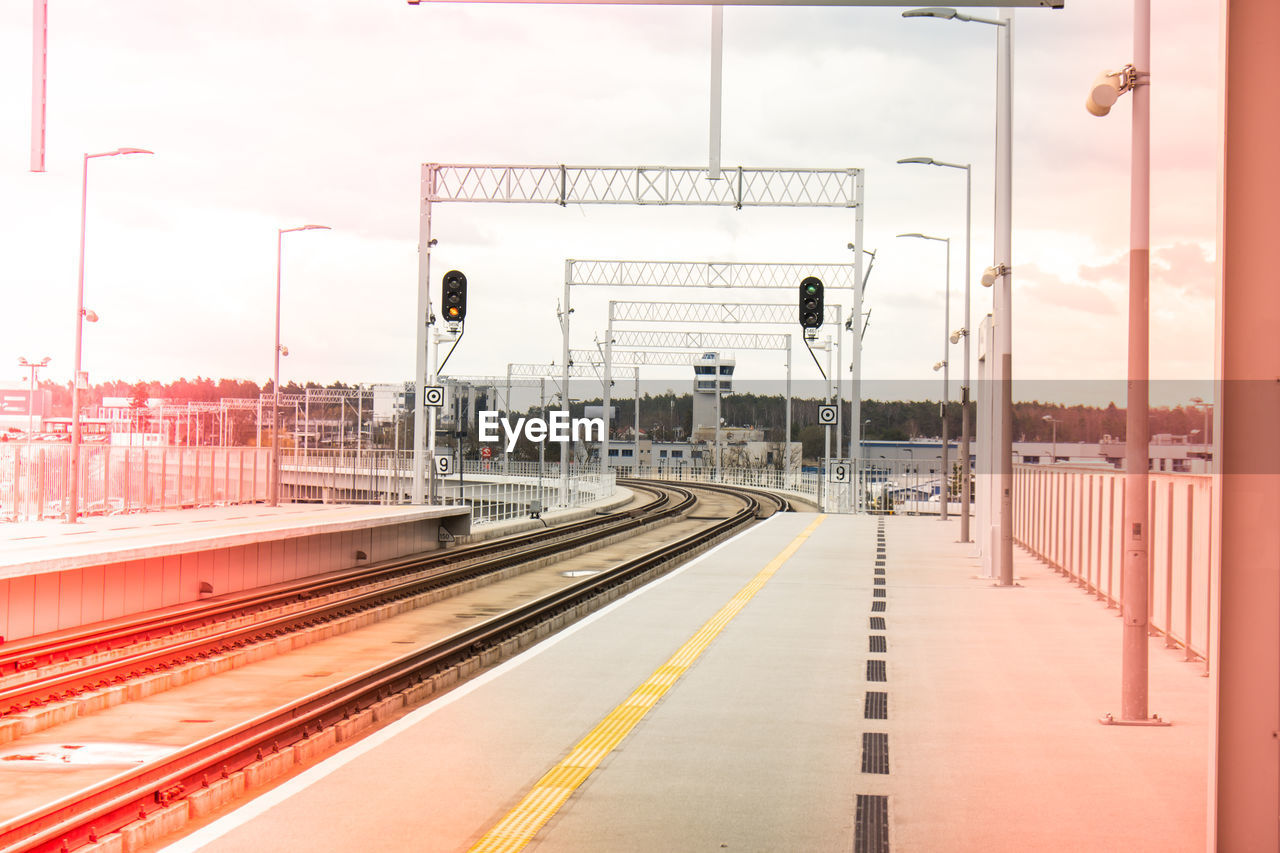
pixel 871 829
pixel 875 752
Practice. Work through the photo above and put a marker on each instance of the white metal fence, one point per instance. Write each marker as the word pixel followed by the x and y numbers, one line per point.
pixel 804 484
pixel 494 490
pixel 1072 518
pixel 35 478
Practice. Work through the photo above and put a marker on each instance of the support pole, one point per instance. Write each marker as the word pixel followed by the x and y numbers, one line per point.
pixel 945 480
pixel 1244 783
pixel 965 426
pixel 716 387
pixel 855 365
pixel 39 80
pixel 717 68
pixel 1135 528
pixel 786 447
pixel 608 394
pixel 1003 298
pixel 565 447
pixel 424 420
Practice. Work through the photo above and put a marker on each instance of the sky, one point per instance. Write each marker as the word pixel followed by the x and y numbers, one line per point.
pixel 278 113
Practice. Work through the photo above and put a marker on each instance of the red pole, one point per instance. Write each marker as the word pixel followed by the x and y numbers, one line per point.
pixel 1246 782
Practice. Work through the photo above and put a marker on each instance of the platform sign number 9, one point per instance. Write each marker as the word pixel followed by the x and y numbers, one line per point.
pixel 839 472
pixel 444 465
pixel 826 416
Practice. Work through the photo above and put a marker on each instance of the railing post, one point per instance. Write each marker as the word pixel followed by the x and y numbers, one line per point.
pixel 1168 574
pixel 1191 514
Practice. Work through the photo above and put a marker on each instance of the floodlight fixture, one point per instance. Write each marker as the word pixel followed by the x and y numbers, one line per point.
pixel 1107 89
pixel 990 274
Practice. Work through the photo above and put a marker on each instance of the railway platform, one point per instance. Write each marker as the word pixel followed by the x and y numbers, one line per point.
pixel 56 576
pixel 815 683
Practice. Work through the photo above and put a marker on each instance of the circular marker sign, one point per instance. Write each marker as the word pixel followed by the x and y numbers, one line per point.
pixel 826 416
pixel 434 396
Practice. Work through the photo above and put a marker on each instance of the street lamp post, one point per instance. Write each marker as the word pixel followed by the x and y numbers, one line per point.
pixel 73 490
pixel 965 428
pixel 1001 271
pixel 32 366
pixel 944 366
pixel 1054 454
pixel 279 351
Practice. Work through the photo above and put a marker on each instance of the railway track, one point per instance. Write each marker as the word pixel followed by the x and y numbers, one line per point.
pixel 37 653
pixel 154 793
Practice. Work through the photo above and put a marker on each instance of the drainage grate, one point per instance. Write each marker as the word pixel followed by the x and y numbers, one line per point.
pixel 879 562
pixel 878 643
pixel 877 707
pixel 877 623
pixel 879 570
pixel 878 593
pixel 876 671
pixel 879 581
pixel 871 824
pixel 877 607
pixel 875 752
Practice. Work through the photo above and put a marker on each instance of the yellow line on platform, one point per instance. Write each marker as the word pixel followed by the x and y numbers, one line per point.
pixel 550 792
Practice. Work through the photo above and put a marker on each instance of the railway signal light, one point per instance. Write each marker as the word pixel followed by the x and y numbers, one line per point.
pixel 453 296
pixel 811 303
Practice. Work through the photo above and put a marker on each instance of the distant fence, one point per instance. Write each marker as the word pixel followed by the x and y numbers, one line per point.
pixel 35 478
pixel 761 478
pixel 1072 518
pixel 494 490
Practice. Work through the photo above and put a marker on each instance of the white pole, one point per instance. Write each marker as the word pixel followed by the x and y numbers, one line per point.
pixel 39 76
pixel 1133 673
pixel 855 367
pixel 608 394
pixel 424 420
pixel 837 378
pixel 1004 293
pixel 73 491
pixel 786 447
pixel 717 67
pixel 945 481
pixel 717 390
pixel 965 426
pixel 564 386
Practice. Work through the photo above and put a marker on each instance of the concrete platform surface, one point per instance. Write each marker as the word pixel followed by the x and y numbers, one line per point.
pixel 35 547
pixel 724 708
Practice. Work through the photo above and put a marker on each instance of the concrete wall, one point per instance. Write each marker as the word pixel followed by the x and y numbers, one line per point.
pixel 57 600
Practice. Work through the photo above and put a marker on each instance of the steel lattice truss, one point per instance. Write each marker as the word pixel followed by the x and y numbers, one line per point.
pixel 699 340
pixel 627 357
pixel 514 380
pixel 707 274
pixel 714 312
pixel 333 395
pixel 676 185
pixel 587 368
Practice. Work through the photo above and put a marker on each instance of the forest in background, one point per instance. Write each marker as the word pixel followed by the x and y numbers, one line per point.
pixel 667 416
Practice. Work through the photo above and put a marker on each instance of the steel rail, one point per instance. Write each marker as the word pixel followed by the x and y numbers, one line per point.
pixel 106 807
pixel 21 655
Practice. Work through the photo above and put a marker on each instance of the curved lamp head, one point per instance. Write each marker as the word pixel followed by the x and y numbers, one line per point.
pixel 927 161
pixel 131 151
pixel 931 12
